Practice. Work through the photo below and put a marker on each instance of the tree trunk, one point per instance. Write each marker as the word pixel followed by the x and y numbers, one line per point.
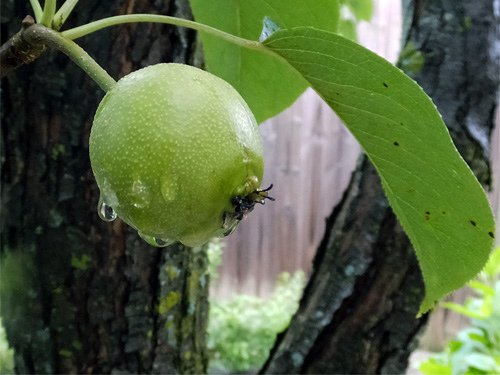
pixel 358 311
pixel 80 295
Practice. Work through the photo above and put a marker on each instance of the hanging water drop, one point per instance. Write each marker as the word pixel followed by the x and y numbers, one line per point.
pixel 155 241
pixel 105 211
pixel 162 242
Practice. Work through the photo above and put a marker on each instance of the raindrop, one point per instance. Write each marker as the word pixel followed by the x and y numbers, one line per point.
pixel 105 211
pixel 155 241
pixel 108 193
pixel 140 194
pixel 163 242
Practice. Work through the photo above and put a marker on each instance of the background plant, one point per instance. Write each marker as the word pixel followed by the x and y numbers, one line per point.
pixel 242 330
pixel 6 353
pixel 476 349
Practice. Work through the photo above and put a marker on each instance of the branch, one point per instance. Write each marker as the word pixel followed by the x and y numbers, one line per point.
pixel 35 36
pixel 18 50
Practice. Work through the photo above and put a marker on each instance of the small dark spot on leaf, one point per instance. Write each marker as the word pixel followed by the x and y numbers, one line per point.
pixel 443 212
pixel 385 84
pixel 491 234
pixel 396 143
pixel 472 222
pixel 427 215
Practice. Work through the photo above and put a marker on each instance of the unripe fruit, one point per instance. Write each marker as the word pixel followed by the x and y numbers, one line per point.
pixel 171 147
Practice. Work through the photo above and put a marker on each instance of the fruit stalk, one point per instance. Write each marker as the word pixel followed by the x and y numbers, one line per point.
pixel 63 13
pixel 37 9
pixel 80 31
pixel 49 9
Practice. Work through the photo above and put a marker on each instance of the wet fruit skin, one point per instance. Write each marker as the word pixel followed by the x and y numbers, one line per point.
pixel 170 146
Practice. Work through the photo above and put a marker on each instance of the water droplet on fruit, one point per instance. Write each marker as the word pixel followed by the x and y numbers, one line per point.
pixel 140 194
pixel 105 211
pixel 108 194
pixel 168 189
pixel 160 242
pixel 155 241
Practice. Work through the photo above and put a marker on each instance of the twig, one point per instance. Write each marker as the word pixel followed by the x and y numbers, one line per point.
pixel 18 50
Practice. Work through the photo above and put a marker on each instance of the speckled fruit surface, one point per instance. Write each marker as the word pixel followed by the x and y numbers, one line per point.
pixel 170 146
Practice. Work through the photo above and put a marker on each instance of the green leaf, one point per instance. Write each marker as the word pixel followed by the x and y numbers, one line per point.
pixel 492 268
pixel 482 288
pixel 411 59
pixel 268 85
pixel 434 367
pixel 482 362
pixel 436 197
pixel 463 310
pixel 361 9
pixel 347 28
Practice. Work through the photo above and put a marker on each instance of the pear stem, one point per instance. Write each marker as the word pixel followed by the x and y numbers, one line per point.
pixel 49 9
pixel 63 13
pixel 88 28
pixel 37 9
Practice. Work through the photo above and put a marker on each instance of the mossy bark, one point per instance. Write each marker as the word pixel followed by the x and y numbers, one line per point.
pixel 358 312
pixel 80 295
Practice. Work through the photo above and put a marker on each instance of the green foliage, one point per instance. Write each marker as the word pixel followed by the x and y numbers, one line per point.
pixel 260 78
pixel 352 12
pixel 6 353
pixel 476 349
pixel 362 10
pixel 242 330
pixel 16 286
pixel 435 195
pixel 347 28
pixel 214 253
pixel 81 263
pixel 411 59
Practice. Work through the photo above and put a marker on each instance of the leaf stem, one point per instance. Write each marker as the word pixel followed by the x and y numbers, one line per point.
pixel 38 34
pixel 49 9
pixel 37 9
pixel 63 13
pixel 80 31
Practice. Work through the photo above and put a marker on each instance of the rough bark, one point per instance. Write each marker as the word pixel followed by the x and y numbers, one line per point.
pixel 358 311
pixel 80 295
